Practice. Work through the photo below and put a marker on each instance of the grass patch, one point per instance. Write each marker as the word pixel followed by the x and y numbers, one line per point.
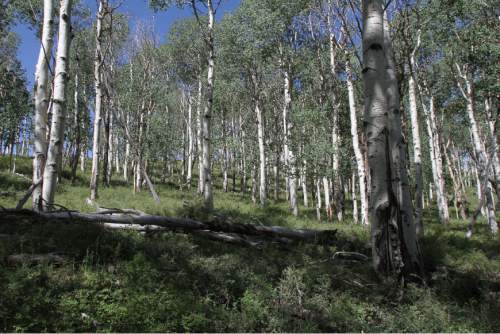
pixel 124 281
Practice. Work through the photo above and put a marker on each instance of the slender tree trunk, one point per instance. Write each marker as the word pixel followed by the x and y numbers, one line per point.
pixel 199 143
pixel 254 182
pixel 287 129
pixel 394 240
pixel 262 152
pixel 58 106
pixel 360 164
pixel 277 173
pixel 98 63
pixel 436 161
pixel 460 201
pixel 42 101
pixel 77 126
pixel 328 203
pixel 354 199
pixel 482 159
pixel 106 147
pixel 207 115
pixel 126 159
pixel 417 147
pixel 338 197
pixel 111 148
pixel 492 114
pixel 304 183
pixel 190 140
pixel 243 182
pixel 225 154
pixel 318 198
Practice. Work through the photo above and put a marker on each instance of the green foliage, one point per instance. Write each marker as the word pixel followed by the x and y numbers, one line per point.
pixel 123 281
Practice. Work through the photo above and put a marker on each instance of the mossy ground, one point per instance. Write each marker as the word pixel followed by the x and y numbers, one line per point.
pixel 125 281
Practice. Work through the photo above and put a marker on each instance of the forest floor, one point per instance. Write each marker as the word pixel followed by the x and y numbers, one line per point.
pixel 124 281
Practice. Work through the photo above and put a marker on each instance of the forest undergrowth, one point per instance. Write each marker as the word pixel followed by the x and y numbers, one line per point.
pixel 156 282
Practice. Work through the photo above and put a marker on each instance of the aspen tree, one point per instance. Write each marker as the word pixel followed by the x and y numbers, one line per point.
pixel 42 101
pixel 56 143
pixel 394 242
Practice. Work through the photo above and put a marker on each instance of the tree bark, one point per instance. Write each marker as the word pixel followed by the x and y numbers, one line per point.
pixel 207 115
pixel 42 101
pixel 190 135
pixel 262 152
pixel 287 129
pixel 360 164
pixel 417 147
pixel 492 126
pixel 338 197
pixel 98 63
pixel 483 164
pixel 394 243
pixel 58 106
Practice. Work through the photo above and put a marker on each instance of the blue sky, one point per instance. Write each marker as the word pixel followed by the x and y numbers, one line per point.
pixel 137 10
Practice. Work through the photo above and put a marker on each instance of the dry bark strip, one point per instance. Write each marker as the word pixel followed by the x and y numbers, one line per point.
pixel 218 230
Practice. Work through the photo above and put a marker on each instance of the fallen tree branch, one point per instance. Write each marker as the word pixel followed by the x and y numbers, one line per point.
pixel 34 258
pixel 230 231
pixel 28 193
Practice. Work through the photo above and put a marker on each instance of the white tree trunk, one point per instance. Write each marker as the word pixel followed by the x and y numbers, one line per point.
pixel 201 178
pixel 482 159
pixel 190 141
pixel 126 158
pixel 289 155
pixel 492 115
pixel 98 63
pixel 328 202
pixel 225 154
pixel 337 191
pixel 304 183
pixel 318 197
pixel 262 153
pixel 394 241
pixel 207 115
pixel 417 147
pixel 360 165
pixel 354 199
pixel 436 161
pixel 42 101
pixel 58 106
pixel 243 181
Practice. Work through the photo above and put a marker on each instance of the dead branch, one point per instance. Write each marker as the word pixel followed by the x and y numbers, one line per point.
pixel 28 193
pixel 34 258
pixel 229 232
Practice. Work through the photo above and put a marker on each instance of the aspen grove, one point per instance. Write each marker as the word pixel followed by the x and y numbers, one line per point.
pixel 375 116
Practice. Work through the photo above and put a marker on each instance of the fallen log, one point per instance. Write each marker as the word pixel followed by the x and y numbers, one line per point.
pixel 34 258
pixel 129 217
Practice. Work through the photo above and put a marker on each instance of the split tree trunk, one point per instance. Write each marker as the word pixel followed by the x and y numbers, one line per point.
pixel 360 165
pixel 42 102
pixel 58 106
